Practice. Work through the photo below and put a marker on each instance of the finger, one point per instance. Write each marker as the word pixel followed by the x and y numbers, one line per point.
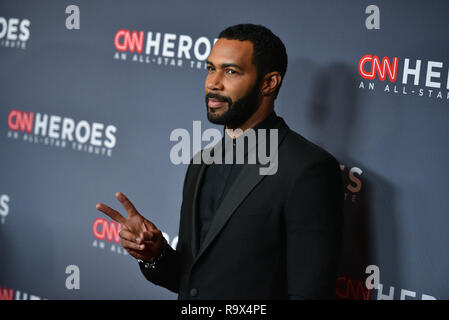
pixel 137 254
pixel 128 235
pixel 148 236
pixel 129 207
pixel 114 215
pixel 132 245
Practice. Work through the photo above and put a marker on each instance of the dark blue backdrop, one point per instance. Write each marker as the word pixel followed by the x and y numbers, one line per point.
pixel 108 123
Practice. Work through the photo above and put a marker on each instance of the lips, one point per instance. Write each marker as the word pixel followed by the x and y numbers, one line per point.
pixel 215 103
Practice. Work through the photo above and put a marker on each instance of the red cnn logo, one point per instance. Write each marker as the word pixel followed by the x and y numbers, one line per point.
pixel 347 290
pixel 124 40
pixel 20 120
pixel 376 68
pixel 6 294
pixel 103 228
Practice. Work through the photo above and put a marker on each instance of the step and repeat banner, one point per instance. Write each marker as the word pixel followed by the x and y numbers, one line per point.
pixel 90 92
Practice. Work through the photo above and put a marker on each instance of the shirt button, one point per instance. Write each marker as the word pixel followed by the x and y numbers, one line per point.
pixel 193 292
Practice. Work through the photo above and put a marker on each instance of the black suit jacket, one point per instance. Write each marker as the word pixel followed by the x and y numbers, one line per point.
pixel 273 236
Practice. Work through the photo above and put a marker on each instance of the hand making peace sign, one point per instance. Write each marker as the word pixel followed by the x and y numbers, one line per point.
pixel 140 237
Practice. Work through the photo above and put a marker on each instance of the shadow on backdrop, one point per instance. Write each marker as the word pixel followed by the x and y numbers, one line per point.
pixel 329 114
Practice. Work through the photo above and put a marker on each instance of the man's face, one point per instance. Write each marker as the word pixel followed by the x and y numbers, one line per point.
pixel 232 86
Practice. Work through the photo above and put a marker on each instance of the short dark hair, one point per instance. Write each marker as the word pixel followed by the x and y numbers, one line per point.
pixel 269 51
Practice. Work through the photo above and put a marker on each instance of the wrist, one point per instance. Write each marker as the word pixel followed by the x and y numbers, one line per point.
pixel 154 262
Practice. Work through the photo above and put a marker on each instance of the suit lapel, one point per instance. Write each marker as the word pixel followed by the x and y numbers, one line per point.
pixel 207 155
pixel 247 179
pixel 199 175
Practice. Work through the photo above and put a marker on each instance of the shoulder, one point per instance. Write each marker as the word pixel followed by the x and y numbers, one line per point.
pixel 300 155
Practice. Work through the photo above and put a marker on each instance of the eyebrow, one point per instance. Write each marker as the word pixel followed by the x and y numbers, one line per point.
pixel 225 65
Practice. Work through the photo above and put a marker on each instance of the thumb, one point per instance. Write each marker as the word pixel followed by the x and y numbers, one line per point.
pixel 148 225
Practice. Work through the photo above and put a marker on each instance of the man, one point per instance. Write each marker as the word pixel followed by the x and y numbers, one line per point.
pixel 243 235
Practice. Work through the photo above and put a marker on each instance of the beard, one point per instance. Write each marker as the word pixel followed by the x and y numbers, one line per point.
pixel 237 112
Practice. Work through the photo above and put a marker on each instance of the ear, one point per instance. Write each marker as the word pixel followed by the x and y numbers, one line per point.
pixel 270 82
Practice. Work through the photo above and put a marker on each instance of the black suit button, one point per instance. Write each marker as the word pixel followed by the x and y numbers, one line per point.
pixel 193 292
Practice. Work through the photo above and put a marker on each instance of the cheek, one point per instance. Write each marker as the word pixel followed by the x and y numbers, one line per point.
pixel 237 89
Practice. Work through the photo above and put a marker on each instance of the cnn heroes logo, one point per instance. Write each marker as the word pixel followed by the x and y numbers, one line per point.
pixel 4 207
pixel 14 32
pixel 158 48
pixel 349 288
pixel 11 294
pixel 421 78
pixel 53 130
pixel 372 282
pixel 106 233
pixel 352 179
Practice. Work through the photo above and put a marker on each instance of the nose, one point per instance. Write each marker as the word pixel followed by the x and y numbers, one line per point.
pixel 214 81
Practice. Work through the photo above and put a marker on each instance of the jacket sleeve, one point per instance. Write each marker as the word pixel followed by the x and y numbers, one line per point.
pixel 314 222
pixel 166 274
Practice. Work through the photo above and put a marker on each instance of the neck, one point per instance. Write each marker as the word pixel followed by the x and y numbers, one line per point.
pixel 256 118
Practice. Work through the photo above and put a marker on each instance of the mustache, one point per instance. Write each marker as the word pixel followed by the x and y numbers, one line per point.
pixel 218 97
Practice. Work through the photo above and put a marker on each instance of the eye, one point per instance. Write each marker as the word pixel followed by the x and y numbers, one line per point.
pixel 230 71
pixel 210 68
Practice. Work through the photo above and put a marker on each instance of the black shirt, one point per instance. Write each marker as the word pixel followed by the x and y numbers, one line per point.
pixel 219 177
